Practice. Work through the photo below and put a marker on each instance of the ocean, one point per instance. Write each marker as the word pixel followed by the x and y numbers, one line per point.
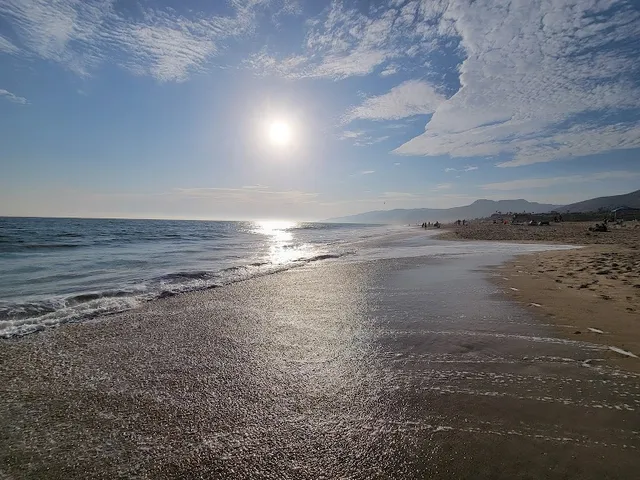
pixel 56 270
pixel 59 270
pixel 370 352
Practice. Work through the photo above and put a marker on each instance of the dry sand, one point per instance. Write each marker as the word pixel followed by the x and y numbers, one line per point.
pixel 591 293
pixel 576 233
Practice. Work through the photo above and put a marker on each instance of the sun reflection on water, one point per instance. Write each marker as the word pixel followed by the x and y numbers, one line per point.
pixel 281 241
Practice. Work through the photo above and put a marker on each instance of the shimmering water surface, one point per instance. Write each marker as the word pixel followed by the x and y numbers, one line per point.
pixel 57 270
pixel 53 271
pixel 400 368
pixel 398 360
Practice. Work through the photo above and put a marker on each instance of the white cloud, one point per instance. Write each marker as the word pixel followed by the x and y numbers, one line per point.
pixel 576 141
pixel 369 140
pixel 344 42
pixel 390 69
pixel 413 97
pixel 361 138
pixel 367 172
pixel 535 79
pixel 82 34
pixel 533 74
pixel 167 53
pixel 336 66
pixel 12 98
pixel 355 63
pixel 467 168
pixel 531 183
pixel 397 164
pixel 539 80
pixel 396 126
pixel 443 186
pixel 351 134
pixel 6 46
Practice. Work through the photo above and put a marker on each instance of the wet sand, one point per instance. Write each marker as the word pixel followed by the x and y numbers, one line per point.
pixel 591 292
pixel 405 368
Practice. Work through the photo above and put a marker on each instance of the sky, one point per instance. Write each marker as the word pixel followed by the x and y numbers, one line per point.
pixel 294 109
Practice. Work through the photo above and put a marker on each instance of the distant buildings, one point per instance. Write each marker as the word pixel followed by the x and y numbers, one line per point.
pixel 625 213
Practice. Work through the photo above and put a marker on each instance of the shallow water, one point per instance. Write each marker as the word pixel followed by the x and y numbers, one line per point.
pixel 57 270
pixel 54 271
pixel 403 367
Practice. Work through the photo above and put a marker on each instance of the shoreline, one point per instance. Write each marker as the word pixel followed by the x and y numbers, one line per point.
pixel 582 295
pixel 591 293
pixel 312 372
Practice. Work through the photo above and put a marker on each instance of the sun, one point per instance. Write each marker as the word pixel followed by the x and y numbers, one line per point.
pixel 280 134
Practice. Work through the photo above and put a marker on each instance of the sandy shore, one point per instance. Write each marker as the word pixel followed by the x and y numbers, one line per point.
pixel 398 368
pixel 627 236
pixel 592 293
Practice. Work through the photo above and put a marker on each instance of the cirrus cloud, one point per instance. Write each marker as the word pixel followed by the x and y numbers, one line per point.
pixel 12 97
pixel 413 97
pixel 82 34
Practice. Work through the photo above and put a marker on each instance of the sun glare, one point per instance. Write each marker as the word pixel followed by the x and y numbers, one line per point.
pixel 279 134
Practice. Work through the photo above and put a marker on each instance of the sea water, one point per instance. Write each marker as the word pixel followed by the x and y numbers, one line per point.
pixel 58 270
pixel 55 270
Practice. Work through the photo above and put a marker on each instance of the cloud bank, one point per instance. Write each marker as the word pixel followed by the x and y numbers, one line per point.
pixel 526 81
pixel 535 82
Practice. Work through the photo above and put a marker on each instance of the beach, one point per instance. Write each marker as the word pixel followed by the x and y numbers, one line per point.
pixel 404 367
pixel 592 292
pixel 575 233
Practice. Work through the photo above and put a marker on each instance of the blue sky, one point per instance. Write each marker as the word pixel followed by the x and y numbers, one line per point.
pixel 163 108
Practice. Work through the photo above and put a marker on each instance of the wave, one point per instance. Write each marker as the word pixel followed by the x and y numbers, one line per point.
pixel 10 244
pixel 18 319
pixel 18 246
pixel 198 275
pixel 245 267
pixel 327 256
pixel 69 235
pixel 328 226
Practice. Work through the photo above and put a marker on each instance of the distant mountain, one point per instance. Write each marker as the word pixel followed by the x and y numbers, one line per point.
pixel 605 203
pixel 478 209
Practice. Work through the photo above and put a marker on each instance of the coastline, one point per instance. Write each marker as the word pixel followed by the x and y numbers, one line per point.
pixel 591 293
pixel 402 367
